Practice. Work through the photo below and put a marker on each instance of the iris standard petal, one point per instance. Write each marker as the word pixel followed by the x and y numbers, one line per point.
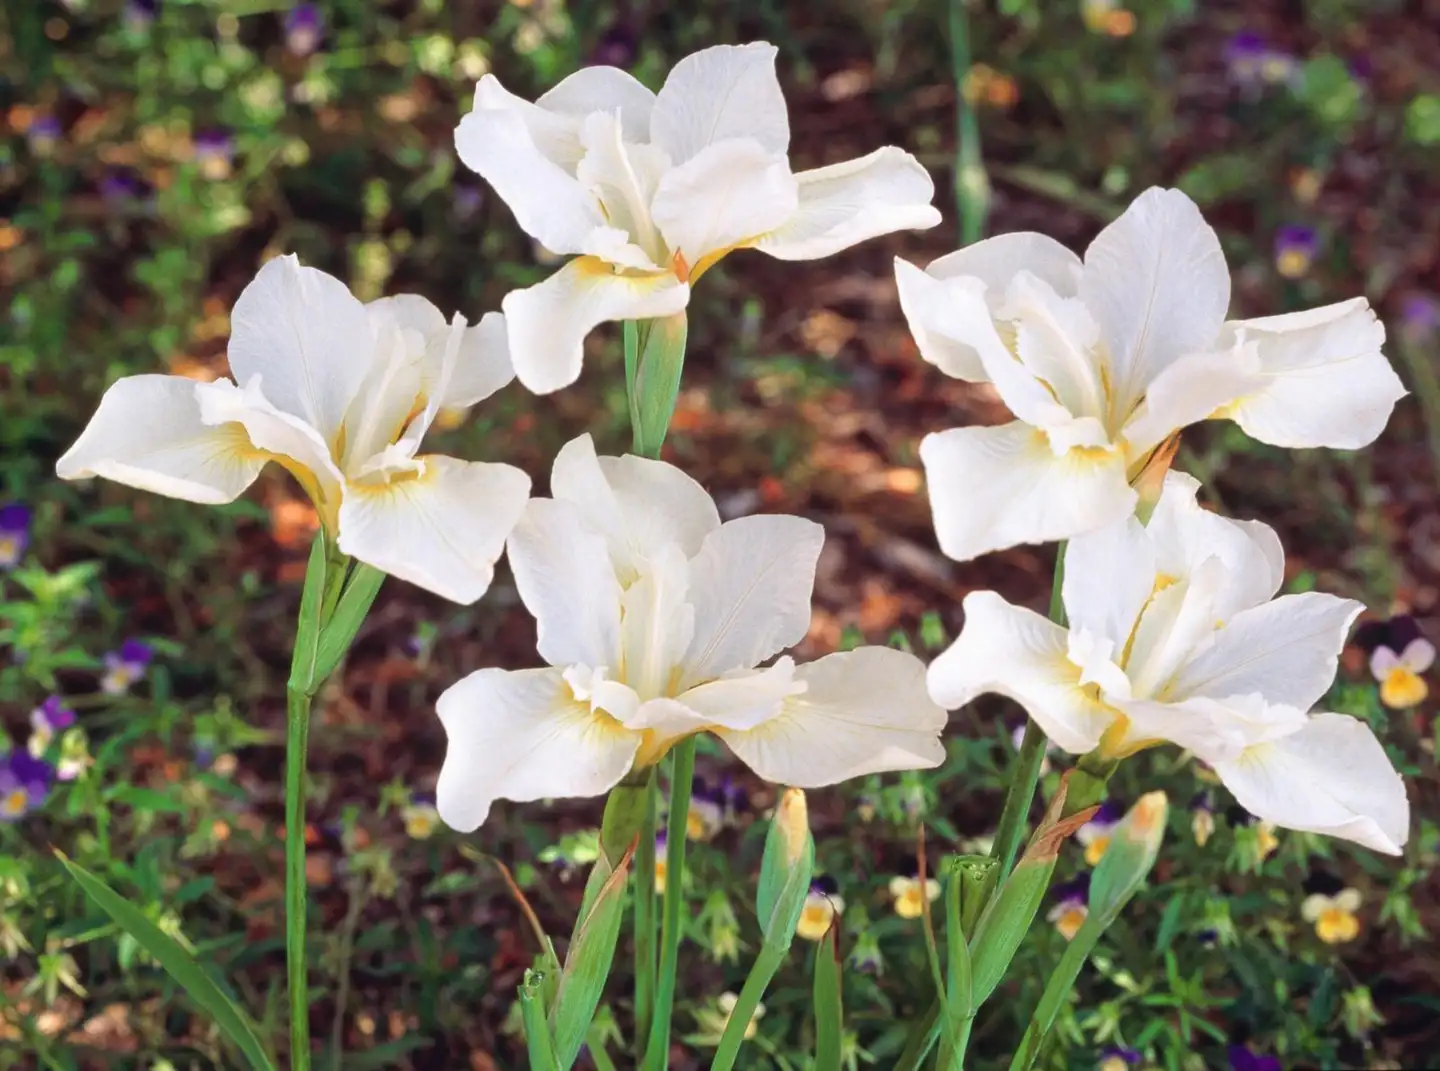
pixel 726 91
pixel 639 504
pixel 563 571
pixel 1157 283
pixel 308 336
pixel 750 585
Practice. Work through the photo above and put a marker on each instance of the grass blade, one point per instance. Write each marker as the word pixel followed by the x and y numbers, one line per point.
pixel 178 963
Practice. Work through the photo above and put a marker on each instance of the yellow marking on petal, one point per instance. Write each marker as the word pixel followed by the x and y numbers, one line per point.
pixel 1292 263
pixel 910 904
pixel 661 869
pixel 1202 825
pixel 1403 688
pixel 1336 926
pixel 1070 921
pixel 815 920
pixel 15 802
pixel 1095 850
pixel 1113 744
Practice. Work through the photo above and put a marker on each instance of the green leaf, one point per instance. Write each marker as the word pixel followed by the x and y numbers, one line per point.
pixel 654 358
pixel 178 963
pixel 307 635
pixel 829 1012
pixel 339 632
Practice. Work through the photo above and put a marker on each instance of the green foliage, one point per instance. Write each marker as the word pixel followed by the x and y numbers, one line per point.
pixel 121 254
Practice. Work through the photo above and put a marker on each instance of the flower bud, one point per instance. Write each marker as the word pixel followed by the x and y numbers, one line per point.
pixel 1127 861
pixel 785 870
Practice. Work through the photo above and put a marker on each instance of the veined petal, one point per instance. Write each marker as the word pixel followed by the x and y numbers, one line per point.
pixel 943 337
pixel 992 488
pixel 1286 651
pixel 483 364
pixel 396 383
pixel 625 177
pixel 851 202
pixel 1332 777
pixel 549 203
pixel 308 336
pixel 603 89
pixel 1177 624
pixel 442 529
pixel 1190 389
pixel 862 712
pixel 750 584
pixel 1156 281
pixel 521 735
pixel 563 572
pixel 549 321
pixel 728 192
pixel 956 323
pixel 726 91
pixel 1326 382
pixel 1206 726
pixel 997 261
pixel 656 623
pixel 147 433
pixel 276 432
pixel 1109 576
pixel 1015 652
pixel 639 504
pixel 1055 339
pixel 1184 534
pixel 744 698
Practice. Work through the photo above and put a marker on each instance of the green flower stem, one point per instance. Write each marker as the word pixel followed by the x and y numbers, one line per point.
pixel 771 956
pixel 972 186
pixel 645 922
pixel 1057 990
pixel 1011 831
pixel 1016 813
pixel 657 1051
pixel 297 737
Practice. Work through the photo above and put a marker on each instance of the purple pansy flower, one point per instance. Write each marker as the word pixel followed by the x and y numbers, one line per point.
pixel 14 534
pixel 121 186
pixel 304 29
pixel 139 14
pixel 24 784
pixel 1419 317
pixel 1242 1059
pixel 1118 1058
pixel 214 152
pixel 125 666
pixel 1295 249
pixel 42 134
pixel 47 720
pixel 1252 61
pixel 1094 835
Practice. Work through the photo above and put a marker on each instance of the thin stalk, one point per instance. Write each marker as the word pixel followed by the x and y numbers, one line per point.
pixel 297 739
pixel 1011 831
pixel 1016 813
pixel 342 988
pixel 1062 981
pixel 657 1052
pixel 645 922
pixel 766 964
pixel 972 186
